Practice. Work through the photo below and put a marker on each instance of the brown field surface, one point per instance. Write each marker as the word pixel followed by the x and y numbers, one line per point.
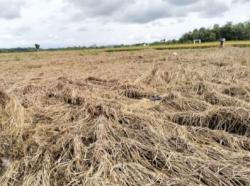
pixel 150 117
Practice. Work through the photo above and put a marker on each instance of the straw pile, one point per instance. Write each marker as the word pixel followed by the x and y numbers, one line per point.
pixel 182 121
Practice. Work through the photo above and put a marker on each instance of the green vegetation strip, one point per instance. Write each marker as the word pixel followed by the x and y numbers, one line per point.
pixel 182 46
pixel 123 49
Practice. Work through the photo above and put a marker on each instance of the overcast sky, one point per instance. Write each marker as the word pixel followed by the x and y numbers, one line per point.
pixel 61 23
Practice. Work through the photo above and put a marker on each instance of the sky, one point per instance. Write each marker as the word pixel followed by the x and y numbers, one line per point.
pixel 65 23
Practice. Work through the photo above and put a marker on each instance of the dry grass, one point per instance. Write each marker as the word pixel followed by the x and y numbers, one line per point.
pixel 126 118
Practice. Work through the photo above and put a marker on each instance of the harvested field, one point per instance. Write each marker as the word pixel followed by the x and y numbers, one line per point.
pixel 147 117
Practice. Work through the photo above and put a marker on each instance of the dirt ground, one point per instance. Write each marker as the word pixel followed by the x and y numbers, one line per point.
pixel 169 117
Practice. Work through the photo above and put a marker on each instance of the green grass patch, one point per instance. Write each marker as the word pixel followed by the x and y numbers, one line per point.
pixel 241 45
pixel 182 46
pixel 175 47
pixel 128 49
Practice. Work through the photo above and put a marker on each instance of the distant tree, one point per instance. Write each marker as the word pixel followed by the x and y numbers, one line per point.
pixel 37 46
pixel 227 31
pixel 163 41
pixel 230 31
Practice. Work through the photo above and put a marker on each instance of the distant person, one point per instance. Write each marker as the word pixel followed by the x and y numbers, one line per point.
pixel 222 42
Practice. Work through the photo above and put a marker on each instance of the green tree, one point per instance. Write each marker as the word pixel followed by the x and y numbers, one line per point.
pixel 37 46
pixel 230 31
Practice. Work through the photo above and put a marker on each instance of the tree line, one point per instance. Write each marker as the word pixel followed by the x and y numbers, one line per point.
pixel 229 31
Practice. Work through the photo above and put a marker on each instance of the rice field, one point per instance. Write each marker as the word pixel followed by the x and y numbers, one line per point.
pixel 144 117
pixel 241 44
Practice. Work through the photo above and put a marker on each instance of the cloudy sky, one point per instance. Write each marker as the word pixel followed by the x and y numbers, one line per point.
pixel 61 23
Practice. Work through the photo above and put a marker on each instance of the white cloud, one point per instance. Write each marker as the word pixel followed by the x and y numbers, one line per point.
pixel 62 23
pixel 143 11
pixel 10 9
